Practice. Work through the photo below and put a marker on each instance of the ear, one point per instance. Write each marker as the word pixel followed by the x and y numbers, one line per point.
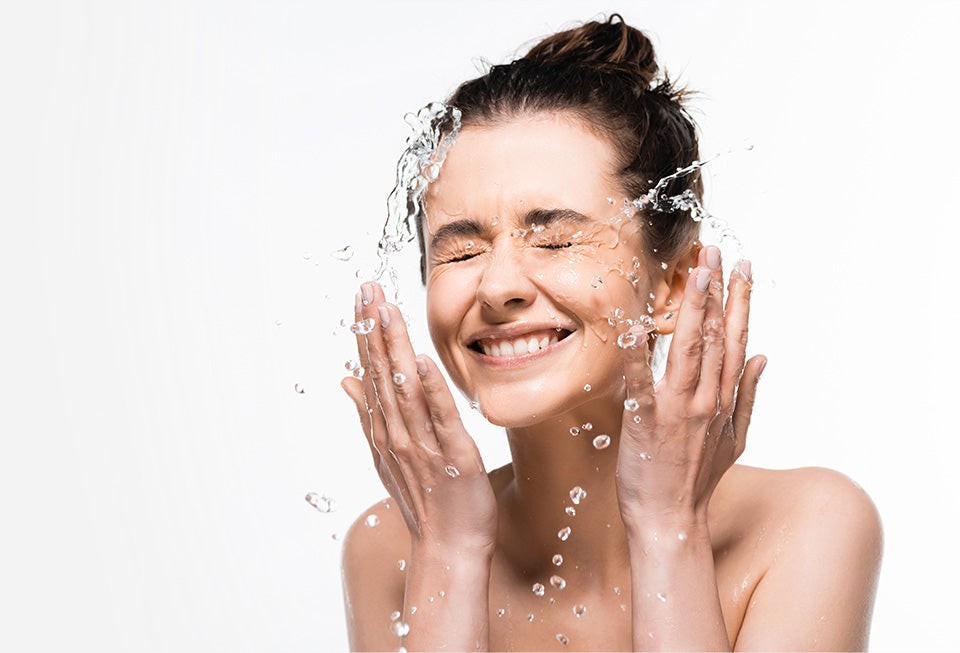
pixel 668 288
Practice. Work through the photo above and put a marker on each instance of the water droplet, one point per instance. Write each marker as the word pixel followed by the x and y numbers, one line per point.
pixel 663 265
pixel 335 537
pixel 558 559
pixel 577 494
pixel 501 612
pixel 394 615
pixel 628 339
pixel 400 628
pixel 399 378
pixel 558 582
pixel 601 442
pixel 609 200
pixel 668 315
pixel 351 365
pixel 363 327
pixel 597 281
pixel 618 312
pixel 278 323
pixel 580 609
pixel 451 471
pixel 401 564
pixel 298 388
pixel 662 596
pixel 306 256
pixel 562 639
pixel 564 533
pixel 636 419
pixel 616 590
pixel 496 219
pixel 321 503
pixel 645 456
pixel 474 404
pixel 343 254
pixel 575 431
pixel 587 426
pixel 441 593
pixel 587 388
pixel 570 510
pixel 681 536
pixel 631 404
pixel 372 520
pixel 538 589
pixel 358 373
pixel 530 617
pixel 413 609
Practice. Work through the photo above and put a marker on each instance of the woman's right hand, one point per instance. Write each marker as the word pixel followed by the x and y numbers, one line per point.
pixel 425 458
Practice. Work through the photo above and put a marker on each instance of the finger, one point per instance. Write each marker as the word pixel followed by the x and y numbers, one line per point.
pixel 713 333
pixel 683 359
pixel 451 435
pixel 638 377
pixel 736 317
pixel 378 426
pixel 411 403
pixel 354 389
pixel 745 397
pixel 395 435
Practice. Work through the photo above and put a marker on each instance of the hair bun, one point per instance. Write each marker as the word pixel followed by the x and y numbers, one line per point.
pixel 611 45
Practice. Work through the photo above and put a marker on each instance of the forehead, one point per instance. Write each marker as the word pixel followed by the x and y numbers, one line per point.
pixel 548 160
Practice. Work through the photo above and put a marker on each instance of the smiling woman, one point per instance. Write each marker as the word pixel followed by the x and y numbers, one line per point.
pixel 552 264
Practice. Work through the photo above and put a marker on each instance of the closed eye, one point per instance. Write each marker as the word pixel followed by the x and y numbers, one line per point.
pixel 555 245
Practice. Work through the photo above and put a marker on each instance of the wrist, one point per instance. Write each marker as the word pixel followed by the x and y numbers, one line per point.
pixel 665 527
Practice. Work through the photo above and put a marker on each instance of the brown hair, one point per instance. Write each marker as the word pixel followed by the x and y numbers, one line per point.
pixel 604 74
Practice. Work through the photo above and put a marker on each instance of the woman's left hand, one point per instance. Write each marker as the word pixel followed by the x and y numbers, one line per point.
pixel 684 432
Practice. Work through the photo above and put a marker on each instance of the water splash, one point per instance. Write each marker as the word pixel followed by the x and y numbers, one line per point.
pixel 433 129
pixel 577 494
pixel 343 254
pixel 321 503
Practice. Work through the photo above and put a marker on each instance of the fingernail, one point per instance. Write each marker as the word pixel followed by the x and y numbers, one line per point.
pixel 421 366
pixel 384 316
pixel 357 308
pixel 763 366
pixel 746 270
pixel 713 257
pixel 703 280
pixel 366 290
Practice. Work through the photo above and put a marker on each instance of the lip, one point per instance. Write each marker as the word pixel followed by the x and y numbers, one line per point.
pixel 514 331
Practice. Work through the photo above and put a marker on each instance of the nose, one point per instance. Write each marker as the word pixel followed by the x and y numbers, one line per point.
pixel 505 286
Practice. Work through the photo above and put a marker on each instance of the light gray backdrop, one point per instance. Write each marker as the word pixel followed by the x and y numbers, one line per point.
pixel 175 175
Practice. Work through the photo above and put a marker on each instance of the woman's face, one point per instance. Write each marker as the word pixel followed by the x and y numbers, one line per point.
pixel 528 251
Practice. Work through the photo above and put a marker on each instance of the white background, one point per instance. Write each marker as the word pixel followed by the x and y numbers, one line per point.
pixel 167 166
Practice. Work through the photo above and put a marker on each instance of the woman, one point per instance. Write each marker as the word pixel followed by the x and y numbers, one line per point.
pixel 621 522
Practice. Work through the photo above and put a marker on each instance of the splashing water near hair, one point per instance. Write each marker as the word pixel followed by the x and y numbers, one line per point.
pixel 434 128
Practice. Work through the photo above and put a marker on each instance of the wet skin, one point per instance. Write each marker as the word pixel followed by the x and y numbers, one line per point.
pixel 519 228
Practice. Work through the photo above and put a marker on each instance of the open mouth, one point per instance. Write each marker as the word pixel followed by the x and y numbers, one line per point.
pixel 528 343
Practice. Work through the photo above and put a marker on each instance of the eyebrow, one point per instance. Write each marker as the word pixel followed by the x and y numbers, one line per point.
pixel 469 227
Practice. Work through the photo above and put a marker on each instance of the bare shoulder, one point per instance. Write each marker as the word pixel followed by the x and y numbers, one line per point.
pixel 374 556
pixel 809 495
pixel 818 539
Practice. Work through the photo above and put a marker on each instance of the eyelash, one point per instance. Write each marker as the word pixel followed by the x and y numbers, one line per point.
pixel 467 256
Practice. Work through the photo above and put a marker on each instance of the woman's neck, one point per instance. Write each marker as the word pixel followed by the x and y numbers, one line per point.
pixel 549 462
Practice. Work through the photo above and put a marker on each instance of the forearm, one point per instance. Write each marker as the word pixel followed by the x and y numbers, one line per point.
pixel 446 603
pixel 676 605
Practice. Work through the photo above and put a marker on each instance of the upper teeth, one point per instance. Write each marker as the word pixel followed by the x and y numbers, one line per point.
pixel 517 346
